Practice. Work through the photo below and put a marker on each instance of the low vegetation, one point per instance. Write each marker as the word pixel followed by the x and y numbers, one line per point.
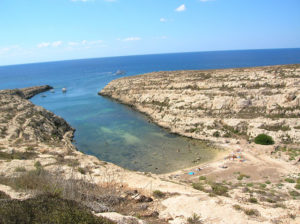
pixel 3 195
pixel 292 152
pixel 17 155
pixel 263 139
pixel 47 209
pixel 194 219
pixel 158 194
pixel 216 188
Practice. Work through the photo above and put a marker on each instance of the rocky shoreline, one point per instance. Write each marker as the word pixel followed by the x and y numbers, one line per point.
pixel 37 154
pixel 218 105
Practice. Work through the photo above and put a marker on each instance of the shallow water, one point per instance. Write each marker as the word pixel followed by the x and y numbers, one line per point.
pixel 114 132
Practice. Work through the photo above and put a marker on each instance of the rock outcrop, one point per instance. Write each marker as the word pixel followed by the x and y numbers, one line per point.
pixel 219 105
pixel 23 122
pixel 36 154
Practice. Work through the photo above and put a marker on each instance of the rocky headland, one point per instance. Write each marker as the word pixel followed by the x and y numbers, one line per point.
pixel 218 105
pixel 252 183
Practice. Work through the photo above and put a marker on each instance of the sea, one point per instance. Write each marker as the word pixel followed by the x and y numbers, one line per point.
pixel 114 132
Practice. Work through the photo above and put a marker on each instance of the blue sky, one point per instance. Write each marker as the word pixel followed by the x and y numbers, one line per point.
pixel 49 30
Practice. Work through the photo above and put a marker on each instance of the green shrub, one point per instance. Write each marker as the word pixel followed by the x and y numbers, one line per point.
pixel 38 165
pixel 253 200
pixel 20 169
pixel 82 170
pixel 216 134
pixel 289 180
pixel 17 155
pixel 263 186
pixel 198 186
pixel 195 219
pixel 202 178
pixel 158 194
pixel 219 189
pixel 237 207
pixel 4 195
pixel 47 209
pixel 294 193
pixel 242 176
pixel 212 194
pixel 263 139
pixel 251 212
pixel 297 186
pixel 279 205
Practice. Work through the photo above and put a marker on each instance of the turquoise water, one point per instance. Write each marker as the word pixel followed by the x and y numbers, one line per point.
pixel 114 132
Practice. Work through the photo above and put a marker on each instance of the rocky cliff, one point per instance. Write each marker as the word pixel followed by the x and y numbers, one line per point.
pixel 219 105
pixel 22 122
pixel 37 157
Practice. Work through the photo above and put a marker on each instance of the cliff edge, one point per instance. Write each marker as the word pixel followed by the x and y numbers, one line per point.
pixel 218 105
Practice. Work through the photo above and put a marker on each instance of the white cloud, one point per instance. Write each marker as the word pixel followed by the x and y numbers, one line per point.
pixel 163 20
pixel 181 8
pixel 85 43
pixel 43 44
pixel 56 43
pixel 49 44
pixel 132 39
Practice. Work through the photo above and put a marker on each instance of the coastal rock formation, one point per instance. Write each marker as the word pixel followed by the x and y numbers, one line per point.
pixel 23 122
pixel 37 156
pixel 218 105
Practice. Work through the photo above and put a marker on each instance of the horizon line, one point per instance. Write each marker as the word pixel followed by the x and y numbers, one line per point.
pixel 117 56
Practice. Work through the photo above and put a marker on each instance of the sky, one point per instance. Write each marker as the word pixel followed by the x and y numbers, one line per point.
pixel 52 30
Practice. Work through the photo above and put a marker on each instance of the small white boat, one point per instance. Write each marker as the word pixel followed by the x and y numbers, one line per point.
pixel 120 72
pixel 64 90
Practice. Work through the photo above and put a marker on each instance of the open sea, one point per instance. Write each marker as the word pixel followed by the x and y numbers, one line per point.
pixel 114 132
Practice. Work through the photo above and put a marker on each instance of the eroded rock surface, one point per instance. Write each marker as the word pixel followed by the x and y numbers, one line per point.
pixel 23 122
pixel 218 104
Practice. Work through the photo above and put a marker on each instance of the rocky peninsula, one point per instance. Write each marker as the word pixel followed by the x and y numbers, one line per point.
pixel 250 184
pixel 218 105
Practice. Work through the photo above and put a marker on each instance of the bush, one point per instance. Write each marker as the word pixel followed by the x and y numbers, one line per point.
pixel 241 176
pixel 251 212
pixel 219 189
pixel 297 186
pixel 264 139
pixel 237 207
pixel 202 178
pixel 47 209
pixel 198 186
pixel 158 194
pixel 289 180
pixel 4 195
pixel 38 165
pixel 263 186
pixel 195 219
pixel 216 134
pixel 20 169
pixel 82 170
pixel 253 200
pixel 294 193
